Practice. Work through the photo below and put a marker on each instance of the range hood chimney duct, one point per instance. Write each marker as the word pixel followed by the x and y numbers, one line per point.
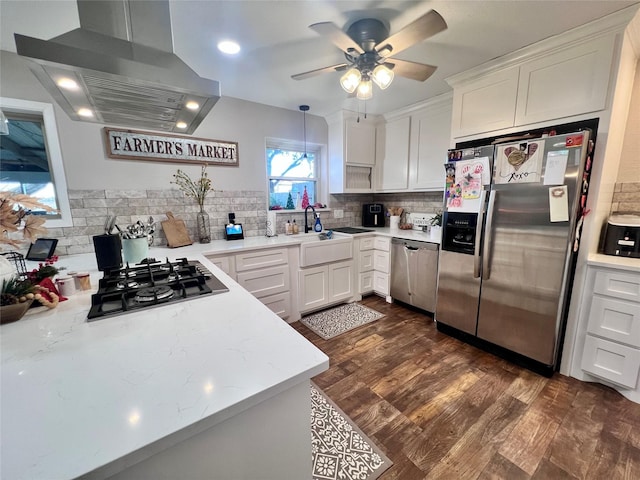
pixel 122 61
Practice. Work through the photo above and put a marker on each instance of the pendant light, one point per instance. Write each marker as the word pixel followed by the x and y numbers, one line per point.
pixel 304 109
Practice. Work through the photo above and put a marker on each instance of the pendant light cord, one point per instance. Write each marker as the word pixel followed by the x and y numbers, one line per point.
pixel 304 109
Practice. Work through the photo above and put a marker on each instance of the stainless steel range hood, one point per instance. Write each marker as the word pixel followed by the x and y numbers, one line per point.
pixel 122 61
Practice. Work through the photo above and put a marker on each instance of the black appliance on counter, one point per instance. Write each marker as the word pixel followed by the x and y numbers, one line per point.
pixel 150 284
pixel 373 215
pixel 622 237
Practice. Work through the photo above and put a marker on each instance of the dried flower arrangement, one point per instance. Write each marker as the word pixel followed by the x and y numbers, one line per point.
pixel 198 189
pixel 15 213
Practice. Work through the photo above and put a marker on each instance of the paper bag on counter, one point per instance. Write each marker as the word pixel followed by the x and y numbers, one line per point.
pixel 176 232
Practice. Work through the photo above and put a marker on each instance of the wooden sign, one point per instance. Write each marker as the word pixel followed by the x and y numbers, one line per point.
pixel 136 145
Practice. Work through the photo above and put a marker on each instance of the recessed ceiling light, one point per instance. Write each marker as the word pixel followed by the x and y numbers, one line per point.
pixel 181 125
pixel 192 105
pixel 85 112
pixel 228 46
pixel 67 83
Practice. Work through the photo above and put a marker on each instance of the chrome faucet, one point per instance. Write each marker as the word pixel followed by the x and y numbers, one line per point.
pixel 307 228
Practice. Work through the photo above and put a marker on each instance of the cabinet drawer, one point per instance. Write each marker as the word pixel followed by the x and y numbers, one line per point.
pixel 614 362
pixel 223 263
pixel 260 258
pixel 366 260
pixel 280 304
pixel 382 243
pixel 381 261
pixel 365 284
pixel 381 283
pixel 618 284
pixel 618 320
pixel 266 281
pixel 366 243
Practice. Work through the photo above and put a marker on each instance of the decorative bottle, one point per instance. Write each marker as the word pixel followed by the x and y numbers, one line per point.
pixel 318 225
pixel 204 228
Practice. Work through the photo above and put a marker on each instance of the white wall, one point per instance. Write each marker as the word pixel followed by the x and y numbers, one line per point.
pixel 629 170
pixel 87 166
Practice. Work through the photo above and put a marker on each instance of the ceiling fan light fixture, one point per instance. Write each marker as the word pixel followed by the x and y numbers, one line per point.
pixel 350 80
pixel 383 76
pixel 365 89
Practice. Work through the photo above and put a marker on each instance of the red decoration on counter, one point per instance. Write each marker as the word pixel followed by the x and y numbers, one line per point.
pixel 305 199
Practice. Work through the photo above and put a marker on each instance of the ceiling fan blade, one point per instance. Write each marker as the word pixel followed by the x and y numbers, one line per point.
pixel 340 39
pixel 412 70
pixel 424 27
pixel 318 71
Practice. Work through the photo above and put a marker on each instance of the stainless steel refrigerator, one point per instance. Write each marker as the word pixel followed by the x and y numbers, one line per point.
pixel 512 213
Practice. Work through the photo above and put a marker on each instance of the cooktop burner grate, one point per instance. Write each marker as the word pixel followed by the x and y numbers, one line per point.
pixel 351 230
pixel 152 284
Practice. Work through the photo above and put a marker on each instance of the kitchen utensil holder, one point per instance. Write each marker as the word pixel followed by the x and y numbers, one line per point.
pixel 108 250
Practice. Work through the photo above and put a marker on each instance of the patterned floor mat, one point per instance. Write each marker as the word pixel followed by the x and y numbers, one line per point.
pixel 334 321
pixel 340 450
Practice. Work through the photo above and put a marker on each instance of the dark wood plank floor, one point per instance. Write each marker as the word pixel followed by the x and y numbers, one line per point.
pixel 441 409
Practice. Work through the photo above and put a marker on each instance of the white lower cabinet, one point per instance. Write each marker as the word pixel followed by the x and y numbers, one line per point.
pixel 264 273
pixel 374 265
pixel 611 313
pixel 325 285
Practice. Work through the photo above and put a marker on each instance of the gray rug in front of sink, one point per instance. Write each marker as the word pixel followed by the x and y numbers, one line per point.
pixel 334 321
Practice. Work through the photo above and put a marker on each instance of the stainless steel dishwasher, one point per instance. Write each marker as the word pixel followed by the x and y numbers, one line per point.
pixel 414 272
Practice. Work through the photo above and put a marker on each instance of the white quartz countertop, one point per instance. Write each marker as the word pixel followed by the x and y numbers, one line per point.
pixel 612 261
pixel 80 397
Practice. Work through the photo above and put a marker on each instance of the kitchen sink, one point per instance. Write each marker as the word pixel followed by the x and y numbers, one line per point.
pixel 351 230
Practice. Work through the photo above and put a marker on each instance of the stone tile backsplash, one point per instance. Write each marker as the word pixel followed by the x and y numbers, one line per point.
pixel 626 198
pixel 90 208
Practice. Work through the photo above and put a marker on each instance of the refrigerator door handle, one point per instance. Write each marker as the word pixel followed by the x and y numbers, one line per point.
pixel 476 248
pixel 486 271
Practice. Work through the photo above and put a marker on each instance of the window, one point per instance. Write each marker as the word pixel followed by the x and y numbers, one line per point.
pixel 290 172
pixel 31 160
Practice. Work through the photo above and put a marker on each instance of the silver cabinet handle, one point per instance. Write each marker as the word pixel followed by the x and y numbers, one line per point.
pixel 476 248
pixel 486 271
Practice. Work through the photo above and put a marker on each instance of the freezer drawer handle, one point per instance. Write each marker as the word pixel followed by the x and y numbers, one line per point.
pixel 476 248
pixel 486 271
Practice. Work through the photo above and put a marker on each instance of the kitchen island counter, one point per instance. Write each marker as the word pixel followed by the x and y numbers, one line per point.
pixel 95 398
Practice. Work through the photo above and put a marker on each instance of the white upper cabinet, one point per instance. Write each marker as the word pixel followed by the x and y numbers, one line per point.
pixel 486 104
pixel 430 139
pixel 394 167
pixel 415 143
pixel 557 78
pixel 569 82
pixel 352 152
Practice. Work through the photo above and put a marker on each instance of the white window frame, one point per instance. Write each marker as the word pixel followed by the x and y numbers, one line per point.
pixel 15 105
pixel 319 152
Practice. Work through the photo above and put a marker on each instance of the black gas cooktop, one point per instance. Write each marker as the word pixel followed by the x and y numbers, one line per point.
pixel 351 230
pixel 151 284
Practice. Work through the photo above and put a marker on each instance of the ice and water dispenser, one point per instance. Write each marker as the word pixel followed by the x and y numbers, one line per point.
pixel 459 232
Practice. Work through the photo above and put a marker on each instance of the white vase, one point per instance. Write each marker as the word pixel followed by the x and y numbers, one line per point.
pixel 435 232
pixel 394 222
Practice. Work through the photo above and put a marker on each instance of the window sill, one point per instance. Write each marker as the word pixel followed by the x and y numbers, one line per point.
pixel 298 210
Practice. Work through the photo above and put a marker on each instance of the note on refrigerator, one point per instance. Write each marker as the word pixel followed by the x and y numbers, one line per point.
pixel 555 167
pixel 559 204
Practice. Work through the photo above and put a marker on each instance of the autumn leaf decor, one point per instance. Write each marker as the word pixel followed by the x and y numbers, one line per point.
pixel 15 215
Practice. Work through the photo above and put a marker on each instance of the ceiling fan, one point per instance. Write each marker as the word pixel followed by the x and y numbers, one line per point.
pixel 368 47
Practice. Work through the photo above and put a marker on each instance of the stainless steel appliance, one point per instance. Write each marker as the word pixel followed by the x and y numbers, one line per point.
pixel 414 272
pixel 373 215
pixel 351 230
pixel 622 237
pixel 506 262
pixel 151 284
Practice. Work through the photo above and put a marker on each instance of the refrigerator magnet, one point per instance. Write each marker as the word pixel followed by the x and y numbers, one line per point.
pixel 555 167
pixel 558 204
pixel 519 163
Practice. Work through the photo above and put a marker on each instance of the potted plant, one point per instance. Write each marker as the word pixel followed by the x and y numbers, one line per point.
pixel 435 229
pixel 197 189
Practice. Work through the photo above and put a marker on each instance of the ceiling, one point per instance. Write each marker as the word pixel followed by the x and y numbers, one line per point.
pixel 277 43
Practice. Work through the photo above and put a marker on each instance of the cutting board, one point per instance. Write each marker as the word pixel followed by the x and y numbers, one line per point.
pixel 176 232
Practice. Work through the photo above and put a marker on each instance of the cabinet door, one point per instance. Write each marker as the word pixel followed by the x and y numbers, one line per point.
pixel 394 168
pixel 223 263
pixel 314 288
pixel 280 304
pixel 341 280
pixel 265 281
pixel 381 261
pixel 486 104
pixel 614 362
pixel 366 283
pixel 381 283
pixel 365 260
pixel 360 142
pixel 566 83
pixel 430 134
pixel 266 257
pixel 615 319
